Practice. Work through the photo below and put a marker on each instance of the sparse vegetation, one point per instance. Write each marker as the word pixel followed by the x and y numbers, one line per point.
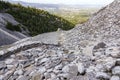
pixel 75 16
pixel 36 21
pixel 40 21
pixel 12 27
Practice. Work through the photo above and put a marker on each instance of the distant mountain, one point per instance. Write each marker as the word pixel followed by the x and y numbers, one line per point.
pixel 54 6
pixel 36 5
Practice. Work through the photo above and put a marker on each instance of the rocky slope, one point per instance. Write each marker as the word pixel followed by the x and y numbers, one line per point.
pixel 39 61
pixel 88 52
pixel 102 26
pixel 8 36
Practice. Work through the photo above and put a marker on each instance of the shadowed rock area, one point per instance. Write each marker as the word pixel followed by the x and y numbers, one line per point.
pixel 90 51
pixel 7 36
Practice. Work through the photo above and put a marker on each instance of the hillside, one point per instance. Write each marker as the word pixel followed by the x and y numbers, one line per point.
pixel 75 16
pixel 7 36
pixel 36 21
pixel 73 13
pixel 103 26
pixel 90 51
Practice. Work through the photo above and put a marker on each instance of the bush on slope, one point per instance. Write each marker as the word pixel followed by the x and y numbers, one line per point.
pixel 37 21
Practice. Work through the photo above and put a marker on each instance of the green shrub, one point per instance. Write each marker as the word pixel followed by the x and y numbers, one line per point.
pixel 36 21
pixel 13 27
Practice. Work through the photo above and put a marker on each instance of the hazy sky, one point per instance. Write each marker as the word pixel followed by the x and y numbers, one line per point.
pixel 99 2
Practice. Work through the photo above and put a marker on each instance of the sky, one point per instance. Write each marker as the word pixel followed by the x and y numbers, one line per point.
pixel 95 2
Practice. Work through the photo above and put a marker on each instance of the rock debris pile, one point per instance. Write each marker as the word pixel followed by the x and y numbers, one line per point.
pixel 50 62
pixel 102 26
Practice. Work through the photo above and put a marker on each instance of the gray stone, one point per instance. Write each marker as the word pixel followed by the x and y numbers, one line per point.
pixel 2 52
pixel 91 69
pixel 53 76
pixel 60 53
pixel 106 63
pixel 102 75
pixel 100 45
pixel 37 76
pixel 18 72
pixel 50 70
pixel 9 61
pixel 118 62
pixel 10 66
pixel 71 68
pixel 33 72
pixel 55 79
pixel 12 56
pixel 14 77
pixel 109 63
pixel 2 65
pixel 56 61
pixel 44 60
pixel 65 69
pixel 77 78
pixel 90 76
pixel 9 73
pixel 28 63
pixel 41 70
pixel 116 70
pixel 65 75
pixel 71 57
pixel 113 51
pixel 81 68
pixel 57 71
pixel 51 53
pixel 1 77
pixel 88 51
pixel 23 78
pixel 98 54
pixel 52 63
pixel 81 78
pixel 27 73
pixel 60 66
pixel 47 75
pixel 115 78
pixel 100 67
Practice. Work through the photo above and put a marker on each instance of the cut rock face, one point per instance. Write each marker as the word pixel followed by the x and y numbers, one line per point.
pixel 116 70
